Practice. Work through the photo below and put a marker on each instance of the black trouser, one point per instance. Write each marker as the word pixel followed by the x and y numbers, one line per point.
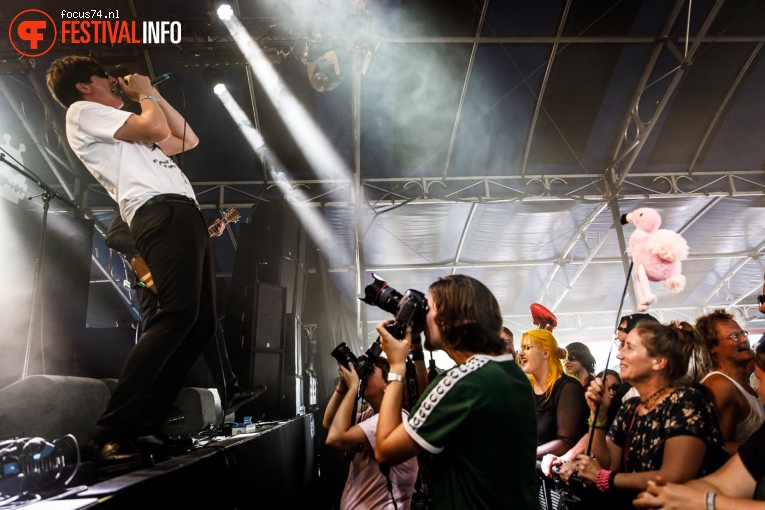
pixel 173 240
pixel 216 355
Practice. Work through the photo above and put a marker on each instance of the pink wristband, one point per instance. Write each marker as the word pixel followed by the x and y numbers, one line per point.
pixel 602 480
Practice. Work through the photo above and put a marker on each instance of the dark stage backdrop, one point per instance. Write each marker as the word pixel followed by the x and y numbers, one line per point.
pixel 62 296
pixel 284 314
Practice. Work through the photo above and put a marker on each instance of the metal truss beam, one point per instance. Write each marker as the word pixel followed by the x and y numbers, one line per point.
pixel 543 87
pixel 625 153
pixel 465 84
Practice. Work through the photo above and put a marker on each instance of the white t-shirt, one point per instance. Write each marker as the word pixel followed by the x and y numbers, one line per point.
pixel 366 486
pixel 131 172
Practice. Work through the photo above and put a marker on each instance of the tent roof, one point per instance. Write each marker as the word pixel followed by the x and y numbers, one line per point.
pixel 498 139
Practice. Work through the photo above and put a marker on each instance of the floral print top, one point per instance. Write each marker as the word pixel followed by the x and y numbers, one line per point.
pixel 684 412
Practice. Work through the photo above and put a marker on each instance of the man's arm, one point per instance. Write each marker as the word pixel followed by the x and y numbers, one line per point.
pixel 118 237
pixel 733 484
pixel 158 123
pixel 724 396
pixel 182 137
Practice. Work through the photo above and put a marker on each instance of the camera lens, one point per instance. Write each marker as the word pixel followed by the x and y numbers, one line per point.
pixel 343 355
pixel 380 294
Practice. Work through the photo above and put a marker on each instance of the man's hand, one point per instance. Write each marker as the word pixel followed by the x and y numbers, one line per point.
pixel 217 228
pixel 135 86
pixel 395 350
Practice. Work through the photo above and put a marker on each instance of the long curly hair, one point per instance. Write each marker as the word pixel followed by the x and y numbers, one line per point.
pixel 545 341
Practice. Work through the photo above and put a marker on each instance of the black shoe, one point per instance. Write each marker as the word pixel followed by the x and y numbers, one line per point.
pixel 163 446
pixel 117 457
pixel 240 398
pixel 159 439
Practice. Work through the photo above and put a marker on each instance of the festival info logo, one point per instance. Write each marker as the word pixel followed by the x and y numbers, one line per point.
pixel 32 33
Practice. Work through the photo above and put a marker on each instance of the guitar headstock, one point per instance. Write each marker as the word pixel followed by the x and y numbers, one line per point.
pixel 231 216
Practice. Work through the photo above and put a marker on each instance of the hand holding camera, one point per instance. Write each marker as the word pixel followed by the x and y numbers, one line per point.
pixel 349 377
pixel 396 350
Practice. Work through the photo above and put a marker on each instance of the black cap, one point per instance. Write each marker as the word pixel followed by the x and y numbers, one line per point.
pixel 634 318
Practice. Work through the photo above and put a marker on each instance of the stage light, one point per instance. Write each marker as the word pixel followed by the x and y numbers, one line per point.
pixel 225 12
pixel 219 89
pixel 324 72
pixel 213 77
pixel 313 222
pixel 312 142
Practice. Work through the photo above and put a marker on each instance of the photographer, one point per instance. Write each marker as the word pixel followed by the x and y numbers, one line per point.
pixel 467 412
pixel 367 485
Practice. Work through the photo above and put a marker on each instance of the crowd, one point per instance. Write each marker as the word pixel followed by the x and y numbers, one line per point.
pixel 675 424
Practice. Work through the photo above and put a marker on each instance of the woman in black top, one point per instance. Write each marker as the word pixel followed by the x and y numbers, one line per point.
pixel 561 407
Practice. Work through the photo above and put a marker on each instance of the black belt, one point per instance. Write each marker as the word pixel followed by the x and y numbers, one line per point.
pixel 170 197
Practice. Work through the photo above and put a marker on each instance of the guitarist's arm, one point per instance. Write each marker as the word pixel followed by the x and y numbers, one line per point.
pixel 118 237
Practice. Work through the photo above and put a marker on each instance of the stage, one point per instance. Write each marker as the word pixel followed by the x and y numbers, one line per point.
pixel 275 466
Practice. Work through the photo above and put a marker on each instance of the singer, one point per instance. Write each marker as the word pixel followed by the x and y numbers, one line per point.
pixel 129 155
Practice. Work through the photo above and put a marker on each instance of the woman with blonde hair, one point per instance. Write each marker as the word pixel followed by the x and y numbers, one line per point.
pixel 561 407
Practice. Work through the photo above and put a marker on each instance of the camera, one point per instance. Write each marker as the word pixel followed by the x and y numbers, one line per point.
pixel 364 364
pixel 408 309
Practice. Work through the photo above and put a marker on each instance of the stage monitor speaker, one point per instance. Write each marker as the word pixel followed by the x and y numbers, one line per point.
pixel 265 368
pixel 290 274
pixel 50 406
pixel 268 326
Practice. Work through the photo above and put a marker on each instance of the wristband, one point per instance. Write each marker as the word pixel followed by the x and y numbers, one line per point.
pixel 600 425
pixel 152 98
pixel 395 377
pixel 341 391
pixel 611 479
pixel 417 355
pixel 602 480
pixel 711 500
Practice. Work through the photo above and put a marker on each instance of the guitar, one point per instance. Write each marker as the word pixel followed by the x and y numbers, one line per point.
pixel 141 270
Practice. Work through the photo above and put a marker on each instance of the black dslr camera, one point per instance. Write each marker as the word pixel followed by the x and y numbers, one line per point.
pixel 408 309
pixel 364 364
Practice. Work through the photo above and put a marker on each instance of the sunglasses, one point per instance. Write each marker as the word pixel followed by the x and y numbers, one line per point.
pixel 572 357
pixel 614 387
pixel 761 299
pixel 622 329
pixel 98 71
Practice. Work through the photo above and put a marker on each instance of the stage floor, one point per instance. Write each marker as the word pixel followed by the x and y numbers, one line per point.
pixel 275 466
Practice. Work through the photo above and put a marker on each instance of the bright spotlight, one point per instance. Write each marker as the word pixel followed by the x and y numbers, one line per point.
pixel 219 88
pixel 225 12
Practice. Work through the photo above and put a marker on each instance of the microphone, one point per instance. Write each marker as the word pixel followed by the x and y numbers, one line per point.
pixel 160 78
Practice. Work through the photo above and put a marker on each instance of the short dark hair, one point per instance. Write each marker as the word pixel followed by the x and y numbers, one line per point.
pixel 583 355
pixel 65 73
pixel 613 373
pixel 468 314
pixel 509 333
pixel 633 318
